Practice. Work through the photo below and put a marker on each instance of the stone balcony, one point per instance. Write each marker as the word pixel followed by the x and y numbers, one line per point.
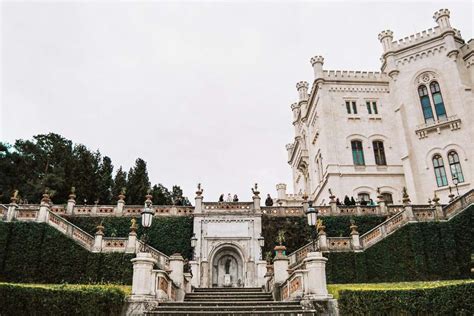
pixel 451 122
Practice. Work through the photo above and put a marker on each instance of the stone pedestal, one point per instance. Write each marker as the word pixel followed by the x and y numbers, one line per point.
pixel 187 282
pixel 177 269
pixel 355 241
pixel 280 265
pixel 120 204
pixel 409 213
pixel 131 243
pixel 142 275
pixel 256 202
pixel 11 211
pixel 43 212
pixel 198 204
pixel 195 273
pixel 315 283
pixel 97 247
pixel 70 206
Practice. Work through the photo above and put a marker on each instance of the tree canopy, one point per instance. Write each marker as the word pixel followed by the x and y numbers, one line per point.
pixel 54 163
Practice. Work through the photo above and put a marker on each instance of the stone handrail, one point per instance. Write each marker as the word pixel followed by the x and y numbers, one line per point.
pixel 80 236
pixel 228 206
pixel 392 224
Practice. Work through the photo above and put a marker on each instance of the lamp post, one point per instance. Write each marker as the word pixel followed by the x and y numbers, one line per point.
pixel 456 181
pixel 312 216
pixel 147 218
pixel 193 245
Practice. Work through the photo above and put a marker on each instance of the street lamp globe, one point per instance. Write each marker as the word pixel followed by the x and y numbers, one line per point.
pixel 147 216
pixel 312 216
pixel 193 241
pixel 455 180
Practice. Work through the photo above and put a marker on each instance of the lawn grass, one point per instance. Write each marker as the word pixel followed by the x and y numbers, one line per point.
pixel 334 289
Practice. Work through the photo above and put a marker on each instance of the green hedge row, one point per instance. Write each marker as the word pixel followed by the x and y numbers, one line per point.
pixel 445 300
pixel 297 232
pixel 167 234
pixel 422 251
pixel 22 299
pixel 37 253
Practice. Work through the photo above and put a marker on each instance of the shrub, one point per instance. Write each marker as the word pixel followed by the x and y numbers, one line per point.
pixel 168 234
pixel 39 253
pixel 27 299
pixel 422 299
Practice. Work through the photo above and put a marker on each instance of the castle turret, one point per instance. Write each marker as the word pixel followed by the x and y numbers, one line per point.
pixel 386 38
pixel 302 88
pixel 281 191
pixel 442 18
pixel 317 62
pixel 295 108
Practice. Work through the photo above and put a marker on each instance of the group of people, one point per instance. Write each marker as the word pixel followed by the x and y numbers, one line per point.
pixel 351 201
pixel 268 201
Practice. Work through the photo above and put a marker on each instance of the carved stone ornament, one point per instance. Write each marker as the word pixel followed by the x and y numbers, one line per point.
pixel 426 77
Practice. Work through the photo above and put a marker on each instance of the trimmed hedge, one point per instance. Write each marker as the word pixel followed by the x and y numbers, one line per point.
pixel 23 299
pixel 37 253
pixel 167 234
pixel 297 232
pixel 422 251
pixel 456 299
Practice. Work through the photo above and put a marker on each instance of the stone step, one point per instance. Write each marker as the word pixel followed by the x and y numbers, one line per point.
pixel 223 294
pixel 228 289
pixel 227 297
pixel 238 301
pixel 187 308
pixel 227 303
pixel 296 312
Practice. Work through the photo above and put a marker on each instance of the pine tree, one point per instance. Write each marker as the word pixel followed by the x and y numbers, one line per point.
pixel 161 195
pixel 138 183
pixel 120 183
pixel 105 181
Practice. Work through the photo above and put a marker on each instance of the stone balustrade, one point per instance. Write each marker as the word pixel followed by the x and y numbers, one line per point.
pixel 421 213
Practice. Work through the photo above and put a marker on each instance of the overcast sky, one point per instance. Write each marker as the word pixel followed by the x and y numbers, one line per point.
pixel 200 90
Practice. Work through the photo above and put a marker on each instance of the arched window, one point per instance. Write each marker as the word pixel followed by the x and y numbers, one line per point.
pixel 440 172
pixel 379 153
pixel 357 153
pixel 438 100
pixel 425 104
pixel 364 198
pixel 455 166
pixel 388 198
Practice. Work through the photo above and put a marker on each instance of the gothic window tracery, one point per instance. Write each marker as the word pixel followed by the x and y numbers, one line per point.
pixel 431 99
pixel 357 153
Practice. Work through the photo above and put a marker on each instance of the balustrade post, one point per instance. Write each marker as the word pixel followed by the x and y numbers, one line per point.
pixel 332 203
pixel 439 214
pixel 43 213
pixel 120 203
pixel 322 238
pixel 256 198
pixel 11 212
pixel 132 238
pixel 355 237
pixel 142 276
pixel 280 265
pixel 315 278
pixel 382 207
pixel 198 200
pixel 71 202
pixel 99 235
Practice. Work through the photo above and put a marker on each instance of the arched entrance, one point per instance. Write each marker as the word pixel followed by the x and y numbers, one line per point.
pixel 227 268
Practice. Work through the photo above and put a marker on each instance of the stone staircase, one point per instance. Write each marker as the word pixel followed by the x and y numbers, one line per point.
pixel 230 301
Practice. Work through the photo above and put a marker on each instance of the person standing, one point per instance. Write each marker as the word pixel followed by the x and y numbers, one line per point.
pixel 269 201
pixel 229 198
pixel 221 198
pixel 236 198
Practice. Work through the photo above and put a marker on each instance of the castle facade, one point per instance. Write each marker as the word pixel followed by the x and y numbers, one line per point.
pixel 369 134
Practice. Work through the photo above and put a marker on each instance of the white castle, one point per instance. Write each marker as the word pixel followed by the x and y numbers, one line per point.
pixel 369 134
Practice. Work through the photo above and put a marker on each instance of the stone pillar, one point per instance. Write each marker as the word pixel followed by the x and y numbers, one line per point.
pixel 408 210
pixel 256 198
pixel 12 207
pixel 120 203
pixel 187 282
pixel 355 237
pixel 268 276
pixel 205 282
pixel 71 203
pixel 332 204
pixel 99 235
pixel 195 273
pixel 439 214
pixel 302 88
pixel 316 288
pixel 322 238
pixel 177 269
pixel 198 200
pixel 381 203
pixel 280 265
pixel 142 275
pixel 132 238
pixel 43 213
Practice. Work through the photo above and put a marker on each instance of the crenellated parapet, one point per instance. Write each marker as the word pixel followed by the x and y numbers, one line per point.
pixel 349 75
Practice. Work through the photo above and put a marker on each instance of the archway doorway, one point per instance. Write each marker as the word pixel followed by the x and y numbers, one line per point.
pixel 227 268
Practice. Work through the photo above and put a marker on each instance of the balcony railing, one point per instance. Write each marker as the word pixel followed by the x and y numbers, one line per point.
pixel 453 122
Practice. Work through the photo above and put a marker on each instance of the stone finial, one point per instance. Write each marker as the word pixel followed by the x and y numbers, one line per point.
pixel 148 201
pixel 14 197
pixel 304 197
pixel 317 60
pixel 46 197
pixel 320 226
pixel 121 195
pixel 281 237
pixel 72 194
pixel 255 190
pixel 435 199
pixel 405 197
pixel 332 197
pixel 133 227
pixel 353 227
pixel 199 190
pixel 385 34
pixel 100 229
